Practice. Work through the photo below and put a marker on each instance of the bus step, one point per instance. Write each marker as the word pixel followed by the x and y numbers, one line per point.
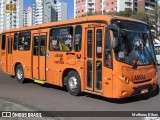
pixel 97 93
pixel 39 81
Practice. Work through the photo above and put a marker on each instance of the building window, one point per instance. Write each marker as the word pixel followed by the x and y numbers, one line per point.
pixel 3 42
pixel 78 38
pixel 15 45
pixel 61 39
pixel 24 41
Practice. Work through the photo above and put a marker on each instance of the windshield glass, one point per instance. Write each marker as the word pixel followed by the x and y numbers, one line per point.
pixel 135 44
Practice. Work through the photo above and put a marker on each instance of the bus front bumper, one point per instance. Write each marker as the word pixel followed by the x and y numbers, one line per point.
pixel 123 90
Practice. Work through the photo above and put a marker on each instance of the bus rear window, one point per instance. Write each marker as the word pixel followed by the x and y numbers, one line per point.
pixel 3 42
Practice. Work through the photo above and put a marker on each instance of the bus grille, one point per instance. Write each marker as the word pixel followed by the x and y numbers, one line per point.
pixel 141 81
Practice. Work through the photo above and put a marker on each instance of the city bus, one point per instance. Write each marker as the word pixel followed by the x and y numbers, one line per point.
pixel 109 56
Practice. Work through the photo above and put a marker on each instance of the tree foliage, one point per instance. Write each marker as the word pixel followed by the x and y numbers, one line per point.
pixel 140 16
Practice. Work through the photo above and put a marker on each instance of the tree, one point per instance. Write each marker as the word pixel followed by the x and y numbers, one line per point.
pixel 140 16
pixel 126 13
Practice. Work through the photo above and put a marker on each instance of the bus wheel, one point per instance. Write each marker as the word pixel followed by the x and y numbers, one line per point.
pixel 73 83
pixel 19 73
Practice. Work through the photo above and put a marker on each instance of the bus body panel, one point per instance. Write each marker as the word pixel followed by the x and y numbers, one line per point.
pixel 23 58
pixel 3 60
pixel 122 74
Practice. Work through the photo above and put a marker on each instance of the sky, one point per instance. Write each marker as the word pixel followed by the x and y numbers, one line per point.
pixel 28 3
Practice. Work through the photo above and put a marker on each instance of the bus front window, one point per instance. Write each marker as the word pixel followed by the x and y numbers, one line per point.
pixel 135 44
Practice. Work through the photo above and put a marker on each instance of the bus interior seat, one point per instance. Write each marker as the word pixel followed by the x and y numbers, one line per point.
pixel 63 47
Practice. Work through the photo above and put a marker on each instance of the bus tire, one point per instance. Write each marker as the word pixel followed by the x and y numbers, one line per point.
pixel 19 73
pixel 73 83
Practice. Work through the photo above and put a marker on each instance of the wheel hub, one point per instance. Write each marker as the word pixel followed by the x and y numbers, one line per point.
pixel 19 74
pixel 73 83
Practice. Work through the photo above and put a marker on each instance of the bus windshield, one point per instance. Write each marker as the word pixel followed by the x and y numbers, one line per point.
pixel 135 44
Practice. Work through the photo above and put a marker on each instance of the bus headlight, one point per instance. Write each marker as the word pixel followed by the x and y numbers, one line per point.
pixel 125 79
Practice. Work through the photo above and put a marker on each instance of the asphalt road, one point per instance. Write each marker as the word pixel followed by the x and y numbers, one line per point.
pixel 52 98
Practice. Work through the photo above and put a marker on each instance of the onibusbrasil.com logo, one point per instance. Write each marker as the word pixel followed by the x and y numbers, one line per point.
pixel 21 114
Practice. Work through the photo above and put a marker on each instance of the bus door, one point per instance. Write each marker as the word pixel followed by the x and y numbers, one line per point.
pixel 39 59
pixel 3 54
pixel 94 62
pixel 9 53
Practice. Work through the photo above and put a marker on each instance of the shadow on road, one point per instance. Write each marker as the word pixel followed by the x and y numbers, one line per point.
pixel 127 100
pixel 28 81
pixel 118 101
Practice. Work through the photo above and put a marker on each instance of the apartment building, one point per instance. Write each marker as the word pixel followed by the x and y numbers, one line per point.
pixel 34 14
pixel 45 11
pixel 10 19
pixel 144 5
pixel 50 13
pixel 27 17
pixel 62 11
pixel 39 8
pixel 82 7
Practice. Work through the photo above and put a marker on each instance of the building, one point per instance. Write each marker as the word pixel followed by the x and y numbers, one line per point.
pixel 10 19
pixel 62 11
pixel 45 11
pixel 144 5
pixel 83 7
pixel 50 13
pixel 39 8
pixel 27 17
pixel 33 14
pixel 158 12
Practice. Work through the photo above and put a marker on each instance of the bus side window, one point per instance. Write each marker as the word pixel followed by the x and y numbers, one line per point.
pixel 24 41
pixel 61 39
pixel 43 45
pixel 54 45
pixel 3 42
pixel 78 38
pixel 15 45
pixel 108 50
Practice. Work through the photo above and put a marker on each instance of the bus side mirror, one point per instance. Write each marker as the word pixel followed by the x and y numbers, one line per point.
pixel 115 40
pixel 115 43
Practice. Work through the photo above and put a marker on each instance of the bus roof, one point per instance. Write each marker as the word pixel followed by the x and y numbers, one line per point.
pixel 72 21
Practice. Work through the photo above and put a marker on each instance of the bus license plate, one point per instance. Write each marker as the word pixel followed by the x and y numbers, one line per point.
pixel 143 91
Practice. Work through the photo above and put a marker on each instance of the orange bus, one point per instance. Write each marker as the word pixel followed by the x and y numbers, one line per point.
pixel 109 56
